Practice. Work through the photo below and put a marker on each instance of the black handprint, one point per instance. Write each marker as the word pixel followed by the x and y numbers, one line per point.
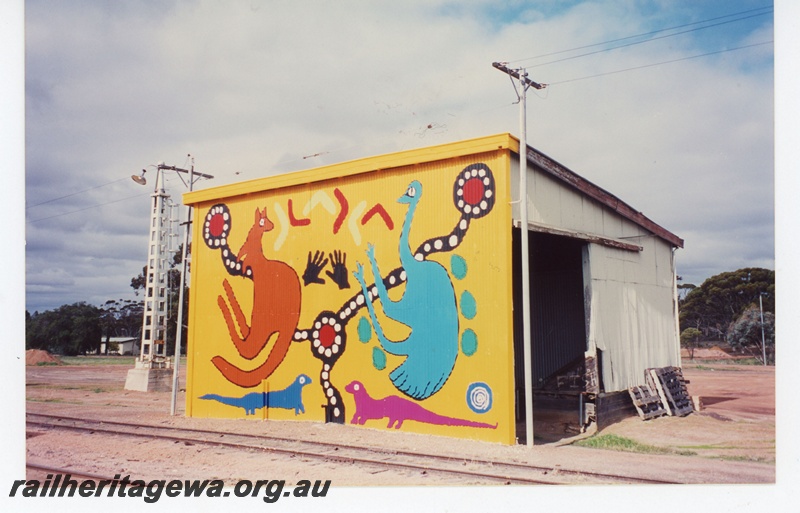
pixel 313 267
pixel 339 274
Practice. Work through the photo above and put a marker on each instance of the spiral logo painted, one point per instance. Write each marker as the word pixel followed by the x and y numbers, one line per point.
pixel 479 397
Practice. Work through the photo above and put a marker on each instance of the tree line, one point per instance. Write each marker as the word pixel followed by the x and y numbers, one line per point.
pixel 728 308
pixel 81 328
pixel 725 308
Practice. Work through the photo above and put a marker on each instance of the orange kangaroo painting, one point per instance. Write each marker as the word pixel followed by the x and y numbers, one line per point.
pixel 276 301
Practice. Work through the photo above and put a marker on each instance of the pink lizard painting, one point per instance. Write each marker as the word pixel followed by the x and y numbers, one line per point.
pixel 398 410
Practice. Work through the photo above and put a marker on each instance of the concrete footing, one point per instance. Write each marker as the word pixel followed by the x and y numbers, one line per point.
pixel 149 380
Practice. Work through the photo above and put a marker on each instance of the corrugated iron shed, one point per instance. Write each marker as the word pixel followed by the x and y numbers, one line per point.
pixel 299 284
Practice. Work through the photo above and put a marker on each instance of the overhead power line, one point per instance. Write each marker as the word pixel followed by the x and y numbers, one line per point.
pixel 89 207
pixel 166 179
pixel 74 193
pixel 660 63
pixel 634 43
pixel 644 34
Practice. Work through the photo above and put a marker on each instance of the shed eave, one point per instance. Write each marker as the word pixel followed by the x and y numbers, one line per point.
pixel 541 161
pixel 355 167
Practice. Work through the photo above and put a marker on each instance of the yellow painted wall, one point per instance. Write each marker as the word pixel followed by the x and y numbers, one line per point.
pixel 315 208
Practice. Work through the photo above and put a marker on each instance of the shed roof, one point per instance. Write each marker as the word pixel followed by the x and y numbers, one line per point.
pixel 575 181
pixel 123 339
pixel 434 153
pixel 356 167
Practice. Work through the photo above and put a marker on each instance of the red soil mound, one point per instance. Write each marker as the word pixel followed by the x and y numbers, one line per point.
pixel 39 356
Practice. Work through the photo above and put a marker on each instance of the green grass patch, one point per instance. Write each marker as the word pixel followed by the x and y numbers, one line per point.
pixel 619 443
pixel 88 388
pixel 722 446
pixel 99 360
pixel 752 361
pixel 755 459
pixel 721 367
pixel 725 362
pixel 52 387
pixel 102 360
pixel 53 401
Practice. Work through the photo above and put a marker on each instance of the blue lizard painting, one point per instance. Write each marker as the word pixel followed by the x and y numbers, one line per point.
pixel 290 398
pixel 428 307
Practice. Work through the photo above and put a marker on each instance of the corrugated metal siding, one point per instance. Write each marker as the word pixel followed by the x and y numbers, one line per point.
pixel 632 316
pixel 330 216
pixel 558 323
pixel 631 294
pixel 558 327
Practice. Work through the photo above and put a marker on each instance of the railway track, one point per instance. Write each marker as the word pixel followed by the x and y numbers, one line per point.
pixel 79 474
pixel 382 459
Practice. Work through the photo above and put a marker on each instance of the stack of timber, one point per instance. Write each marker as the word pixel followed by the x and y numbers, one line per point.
pixel 648 403
pixel 612 407
pixel 672 389
pixel 568 380
pixel 664 393
pixel 592 385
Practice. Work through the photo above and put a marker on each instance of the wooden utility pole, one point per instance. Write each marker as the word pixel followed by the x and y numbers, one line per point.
pixel 521 75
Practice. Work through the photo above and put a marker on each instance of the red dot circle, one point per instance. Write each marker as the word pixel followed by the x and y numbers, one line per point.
pixel 473 191
pixel 327 335
pixel 216 225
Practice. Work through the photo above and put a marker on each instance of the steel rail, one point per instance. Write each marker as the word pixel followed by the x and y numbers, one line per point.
pixel 342 458
pixel 64 471
pixel 555 475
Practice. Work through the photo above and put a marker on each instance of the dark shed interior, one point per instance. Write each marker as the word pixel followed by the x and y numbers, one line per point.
pixel 558 331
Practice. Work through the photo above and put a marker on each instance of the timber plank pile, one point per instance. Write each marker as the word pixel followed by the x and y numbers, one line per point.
pixel 664 394
pixel 647 403
pixel 591 383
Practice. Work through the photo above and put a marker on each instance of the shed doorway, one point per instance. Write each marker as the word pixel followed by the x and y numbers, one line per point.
pixel 558 334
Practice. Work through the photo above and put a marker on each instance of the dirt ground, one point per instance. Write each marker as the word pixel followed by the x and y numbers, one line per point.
pixel 732 440
pixel 736 423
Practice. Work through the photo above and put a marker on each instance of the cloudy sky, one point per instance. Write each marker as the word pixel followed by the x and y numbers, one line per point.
pixel 666 104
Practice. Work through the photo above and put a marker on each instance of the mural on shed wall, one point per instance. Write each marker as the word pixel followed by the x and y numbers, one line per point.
pixel 276 298
pixel 413 310
pixel 290 398
pixel 428 307
pixel 398 410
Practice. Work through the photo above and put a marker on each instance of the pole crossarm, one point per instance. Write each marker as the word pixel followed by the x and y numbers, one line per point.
pixel 514 73
pixel 180 170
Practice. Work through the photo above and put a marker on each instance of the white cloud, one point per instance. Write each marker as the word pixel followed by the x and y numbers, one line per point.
pixel 252 88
